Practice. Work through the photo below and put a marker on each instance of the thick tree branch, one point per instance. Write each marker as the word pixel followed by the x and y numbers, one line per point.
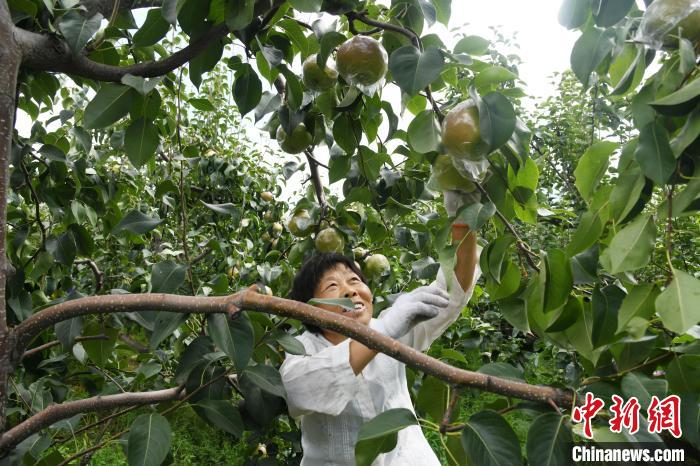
pixel 10 59
pixel 55 413
pixel 42 52
pixel 251 300
pixel 107 304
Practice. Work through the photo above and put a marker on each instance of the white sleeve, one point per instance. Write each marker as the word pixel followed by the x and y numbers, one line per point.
pixel 423 334
pixel 322 383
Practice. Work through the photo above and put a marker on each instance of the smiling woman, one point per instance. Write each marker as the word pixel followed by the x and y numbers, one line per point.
pixel 340 383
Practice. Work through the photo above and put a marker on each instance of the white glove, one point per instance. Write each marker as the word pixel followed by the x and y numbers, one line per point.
pixel 456 199
pixel 421 304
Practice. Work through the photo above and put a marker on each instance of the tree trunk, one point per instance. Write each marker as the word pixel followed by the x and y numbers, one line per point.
pixel 10 58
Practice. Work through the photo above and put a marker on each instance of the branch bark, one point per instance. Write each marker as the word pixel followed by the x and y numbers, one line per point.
pixel 251 300
pixel 316 180
pixel 10 59
pixel 57 412
pixel 42 52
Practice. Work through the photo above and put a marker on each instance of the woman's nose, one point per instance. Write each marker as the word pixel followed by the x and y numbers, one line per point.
pixel 349 292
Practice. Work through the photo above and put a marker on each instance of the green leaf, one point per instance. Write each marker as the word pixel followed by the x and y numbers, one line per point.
pixel 549 441
pixel 345 303
pixel 77 29
pixel 154 29
pixel 559 279
pixel 267 378
pixel 631 247
pixel 141 141
pixel 224 209
pixel 606 303
pixel 63 248
pixel 329 41
pixel 678 305
pixel 681 102
pixel 495 255
pixel 164 324
pixel 432 397
pixel 492 75
pixel 573 13
pixel 689 133
pixel 589 52
pixel 625 194
pixel 643 387
pixel 202 104
pixel 347 132
pixel 232 336
pixel 472 45
pixel 413 70
pixel 489 440
pixel 247 90
pixel 141 85
pixel 496 119
pixel 379 435
pixel 502 370
pixel 99 351
pixel 567 317
pixel 290 344
pixel 509 284
pixel 610 12
pixel 67 330
pixel 167 277
pixel 592 166
pixel 423 132
pixel 111 102
pixel 170 10
pixel 476 214
pixel 239 14
pixel 306 6
pixel 654 153
pixel 639 302
pixel 149 440
pixel 443 10
pixel 589 230
pixel 136 222
pixel 683 374
pixel 222 414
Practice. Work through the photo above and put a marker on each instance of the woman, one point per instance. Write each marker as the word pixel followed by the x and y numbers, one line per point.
pixel 341 383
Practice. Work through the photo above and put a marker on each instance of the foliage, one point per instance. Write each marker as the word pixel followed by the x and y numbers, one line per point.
pixel 588 215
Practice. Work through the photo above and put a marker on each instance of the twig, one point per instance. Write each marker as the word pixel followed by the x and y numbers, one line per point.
pixel 35 197
pixel 96 423
pixel 415 40
pixel 31 352
pixel 454 397
pixel 199 257
pixel 529 255
pixel 133 344
pixel 99 275
pixel 669 230
pixel 650 362
pixel 316 179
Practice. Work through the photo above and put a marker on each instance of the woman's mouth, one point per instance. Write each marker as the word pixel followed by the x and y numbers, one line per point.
pixel 359 309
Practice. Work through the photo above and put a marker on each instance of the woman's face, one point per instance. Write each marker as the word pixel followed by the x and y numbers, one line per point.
pixel 341 282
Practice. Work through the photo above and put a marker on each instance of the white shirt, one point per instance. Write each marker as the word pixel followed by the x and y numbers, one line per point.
pixel 333 403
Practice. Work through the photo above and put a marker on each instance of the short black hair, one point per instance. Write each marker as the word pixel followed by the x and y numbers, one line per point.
pixel 310 274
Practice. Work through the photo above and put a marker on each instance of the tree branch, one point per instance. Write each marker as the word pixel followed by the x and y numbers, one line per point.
pixel 316 180
pixel 31 352
pixel 251 300
pixel 55 413
pixel 527 252
pixel 42 52
pixel 99 275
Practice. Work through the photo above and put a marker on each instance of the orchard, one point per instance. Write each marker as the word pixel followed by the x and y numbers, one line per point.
pixel 149 241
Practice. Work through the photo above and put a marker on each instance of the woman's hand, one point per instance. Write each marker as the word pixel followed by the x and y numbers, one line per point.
pixel 410 308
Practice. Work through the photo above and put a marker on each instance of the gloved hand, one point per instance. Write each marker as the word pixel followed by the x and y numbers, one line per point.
pixel 456 199
pixel 421 304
